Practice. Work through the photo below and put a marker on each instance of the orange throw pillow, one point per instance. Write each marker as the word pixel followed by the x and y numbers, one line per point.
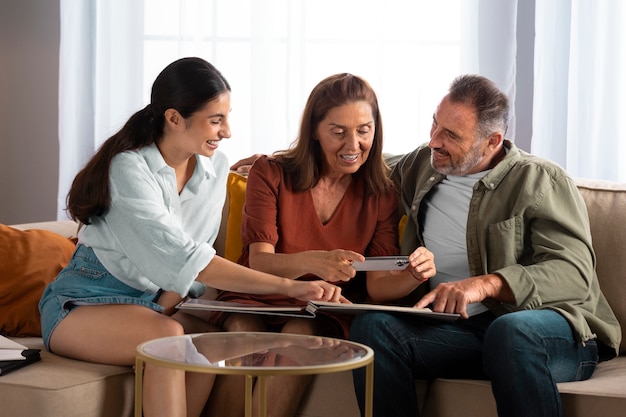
pixel 29 260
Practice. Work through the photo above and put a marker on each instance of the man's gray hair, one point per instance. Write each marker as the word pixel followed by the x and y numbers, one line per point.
pixel 490 103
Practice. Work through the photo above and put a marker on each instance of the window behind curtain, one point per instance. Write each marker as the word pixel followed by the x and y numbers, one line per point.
pixel 273 52
pixel 579 115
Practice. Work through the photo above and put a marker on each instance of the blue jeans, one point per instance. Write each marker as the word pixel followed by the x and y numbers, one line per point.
pixel 524 354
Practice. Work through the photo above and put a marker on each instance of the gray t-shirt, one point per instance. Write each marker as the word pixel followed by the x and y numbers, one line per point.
pixel 445 226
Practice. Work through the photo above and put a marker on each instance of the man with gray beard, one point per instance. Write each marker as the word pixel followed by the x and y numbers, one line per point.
pixel 512 247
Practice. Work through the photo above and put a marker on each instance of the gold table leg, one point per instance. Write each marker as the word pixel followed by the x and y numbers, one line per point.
pixel 260 386
pixel 260 381
pixel 369 389
pixel 249 385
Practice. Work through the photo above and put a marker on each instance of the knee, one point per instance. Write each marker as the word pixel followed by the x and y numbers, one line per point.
pixel 244 323
pixel 193 324
pixel 164 327
pixel 509 330
pixel 507 342
pixel 371 328
pixel 169 327
pixel 299 326
pixel 502 335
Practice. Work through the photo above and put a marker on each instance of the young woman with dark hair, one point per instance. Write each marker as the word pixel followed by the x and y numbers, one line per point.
pixel 150 201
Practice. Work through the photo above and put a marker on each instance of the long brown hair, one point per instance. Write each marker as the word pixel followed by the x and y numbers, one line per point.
pixel 185 85
pixel 303 160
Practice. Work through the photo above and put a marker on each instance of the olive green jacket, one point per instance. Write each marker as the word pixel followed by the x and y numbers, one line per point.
pixel 528 223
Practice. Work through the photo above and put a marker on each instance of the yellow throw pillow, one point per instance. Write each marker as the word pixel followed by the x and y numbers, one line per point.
pixel 236 189
pixel 401 227
pixel 29 260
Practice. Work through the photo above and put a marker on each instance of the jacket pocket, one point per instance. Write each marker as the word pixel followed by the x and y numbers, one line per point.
pixel 505 243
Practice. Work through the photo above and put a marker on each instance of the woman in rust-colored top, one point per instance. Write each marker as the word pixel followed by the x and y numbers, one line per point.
pixel 276 215
pixel 311 211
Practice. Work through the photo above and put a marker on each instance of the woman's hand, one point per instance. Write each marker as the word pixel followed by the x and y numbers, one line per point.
pixel 333 265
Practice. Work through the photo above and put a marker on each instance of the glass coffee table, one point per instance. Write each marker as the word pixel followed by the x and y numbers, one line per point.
pixel 255 355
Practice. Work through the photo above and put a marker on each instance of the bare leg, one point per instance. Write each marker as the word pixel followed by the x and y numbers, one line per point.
pixel 167 398
pixel 227 398
pixel 201 386
pixel 284 393
pixel 193 324
pixel 110 334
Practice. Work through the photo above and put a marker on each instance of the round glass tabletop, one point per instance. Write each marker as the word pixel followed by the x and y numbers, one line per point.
pixel 239 352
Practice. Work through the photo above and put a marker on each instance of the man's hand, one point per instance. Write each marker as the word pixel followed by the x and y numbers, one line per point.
pixel 422 264
pixel 453 297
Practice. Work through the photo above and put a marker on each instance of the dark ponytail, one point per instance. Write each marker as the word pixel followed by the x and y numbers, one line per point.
pixel 185 85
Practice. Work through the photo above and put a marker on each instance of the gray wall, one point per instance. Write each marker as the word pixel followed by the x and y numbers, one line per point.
pixel 29 146
pixel 525 74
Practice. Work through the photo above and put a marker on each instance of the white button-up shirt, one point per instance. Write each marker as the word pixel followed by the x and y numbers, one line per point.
pixel 151 237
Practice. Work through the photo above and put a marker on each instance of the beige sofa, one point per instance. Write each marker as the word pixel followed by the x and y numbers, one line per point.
pixel 57 386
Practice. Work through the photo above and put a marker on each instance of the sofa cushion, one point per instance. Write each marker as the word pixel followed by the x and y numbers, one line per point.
pixel 601 395
pixel 606 204
pixel 29 260
pixel 62 387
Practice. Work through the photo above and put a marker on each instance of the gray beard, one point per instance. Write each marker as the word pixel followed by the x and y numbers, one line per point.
pixel 473 158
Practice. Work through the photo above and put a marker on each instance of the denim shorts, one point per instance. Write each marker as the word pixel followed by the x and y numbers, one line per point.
pixel 85 281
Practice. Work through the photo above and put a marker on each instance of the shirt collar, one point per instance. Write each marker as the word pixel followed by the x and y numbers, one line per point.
pixel 497 173
pixel 206 166
pixel 153 158
pixel 155 162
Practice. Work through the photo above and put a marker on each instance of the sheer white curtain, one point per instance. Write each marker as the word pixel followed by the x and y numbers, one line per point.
pixel 273 52
pixel 489 45
pixel 579 114
pixel 100 79
pixel 75 94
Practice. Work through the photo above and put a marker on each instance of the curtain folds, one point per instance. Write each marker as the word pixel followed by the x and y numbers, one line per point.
pixel 100 79
pixel 108 60
pixel 580 92
pixel 76 109
pixel 489 46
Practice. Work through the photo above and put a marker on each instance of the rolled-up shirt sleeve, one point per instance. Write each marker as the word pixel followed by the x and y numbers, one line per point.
pixel 151 237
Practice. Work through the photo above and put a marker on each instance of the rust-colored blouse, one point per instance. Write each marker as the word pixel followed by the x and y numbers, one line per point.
pixel 275 214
